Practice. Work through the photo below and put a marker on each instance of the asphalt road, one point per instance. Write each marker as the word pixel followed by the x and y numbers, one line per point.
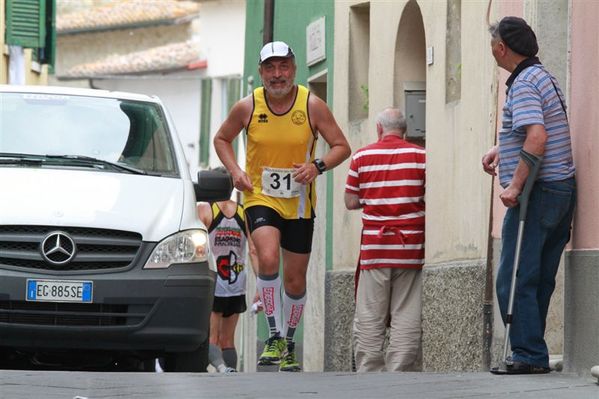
pixel 95 385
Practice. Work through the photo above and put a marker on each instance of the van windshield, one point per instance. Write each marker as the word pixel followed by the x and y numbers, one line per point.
pixel 129 133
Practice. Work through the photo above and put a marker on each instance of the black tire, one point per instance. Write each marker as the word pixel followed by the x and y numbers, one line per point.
pixel 148 365
pixel 188 362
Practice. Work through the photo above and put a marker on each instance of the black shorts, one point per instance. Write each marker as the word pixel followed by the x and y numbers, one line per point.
pixel 296 234
pixel 229 305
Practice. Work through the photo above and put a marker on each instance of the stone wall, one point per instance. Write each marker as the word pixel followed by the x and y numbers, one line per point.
pixel 339 315
pixel 452 316
pixel 581 329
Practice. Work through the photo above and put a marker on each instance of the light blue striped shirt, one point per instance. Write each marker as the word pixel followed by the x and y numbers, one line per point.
pixel 533 100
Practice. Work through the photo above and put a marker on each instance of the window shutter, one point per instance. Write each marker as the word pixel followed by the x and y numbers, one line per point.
pixel 48 55
pixel 233 94
pixel 26 23
pixel 206 108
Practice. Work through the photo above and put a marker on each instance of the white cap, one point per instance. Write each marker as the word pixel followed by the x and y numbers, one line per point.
pixel 275 49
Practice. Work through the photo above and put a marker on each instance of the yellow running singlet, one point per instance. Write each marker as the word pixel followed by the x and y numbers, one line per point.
pixel 274 143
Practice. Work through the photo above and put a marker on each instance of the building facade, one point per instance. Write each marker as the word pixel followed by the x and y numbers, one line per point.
pixel 432 59
pixel 396 48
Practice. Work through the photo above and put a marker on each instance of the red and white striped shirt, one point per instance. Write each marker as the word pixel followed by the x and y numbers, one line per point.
pixel 389 178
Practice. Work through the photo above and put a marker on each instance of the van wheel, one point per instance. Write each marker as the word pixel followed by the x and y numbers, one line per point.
pixel 148 365
pixel 188 362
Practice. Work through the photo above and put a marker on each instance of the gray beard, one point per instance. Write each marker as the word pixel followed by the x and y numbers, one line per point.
pixel 279 93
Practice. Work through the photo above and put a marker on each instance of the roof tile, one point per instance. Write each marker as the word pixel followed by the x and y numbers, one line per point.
pixel 163 58
pixel 124 13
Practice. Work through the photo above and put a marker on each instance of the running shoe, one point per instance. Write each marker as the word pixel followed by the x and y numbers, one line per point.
pixel 225 369
pixel 273 351
pixel 289 361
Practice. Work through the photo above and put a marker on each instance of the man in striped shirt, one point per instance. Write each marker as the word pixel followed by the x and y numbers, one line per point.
pixel 534 121
pixel 386 180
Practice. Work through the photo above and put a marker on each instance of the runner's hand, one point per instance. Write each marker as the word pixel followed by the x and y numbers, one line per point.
pixel 242 181
pixel 257 303
pixel 304 173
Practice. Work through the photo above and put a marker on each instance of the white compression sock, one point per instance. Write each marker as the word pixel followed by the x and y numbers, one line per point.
pixel 269 288
pixel 293 308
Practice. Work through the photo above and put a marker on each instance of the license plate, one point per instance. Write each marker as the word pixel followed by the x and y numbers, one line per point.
pixel 59 291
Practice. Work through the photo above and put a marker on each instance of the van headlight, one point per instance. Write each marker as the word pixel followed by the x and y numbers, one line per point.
pixel 190 246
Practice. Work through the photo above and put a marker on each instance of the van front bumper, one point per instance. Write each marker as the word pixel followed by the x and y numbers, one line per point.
pixel 136 310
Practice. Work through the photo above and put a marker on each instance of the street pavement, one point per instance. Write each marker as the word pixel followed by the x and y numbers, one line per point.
pixel 94 385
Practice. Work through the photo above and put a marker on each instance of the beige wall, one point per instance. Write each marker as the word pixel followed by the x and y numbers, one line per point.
pixel 458 133
pixel 345 251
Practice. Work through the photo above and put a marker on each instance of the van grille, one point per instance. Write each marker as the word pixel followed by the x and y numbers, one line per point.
pixel 71 314
pixel 97 249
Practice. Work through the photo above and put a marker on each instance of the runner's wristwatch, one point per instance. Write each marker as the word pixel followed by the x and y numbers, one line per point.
pixel 320 166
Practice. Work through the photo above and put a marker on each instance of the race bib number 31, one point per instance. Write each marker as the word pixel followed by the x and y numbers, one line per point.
pixel 278 182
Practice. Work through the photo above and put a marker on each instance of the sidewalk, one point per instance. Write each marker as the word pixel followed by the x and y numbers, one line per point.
pixel 49 384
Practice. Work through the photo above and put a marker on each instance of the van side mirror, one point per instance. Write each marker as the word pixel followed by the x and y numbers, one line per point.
pixel 213 185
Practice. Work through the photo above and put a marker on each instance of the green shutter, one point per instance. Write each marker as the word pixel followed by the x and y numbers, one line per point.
pixel 206 107
pixel 26 23
pixel 49 50
pixel 233 93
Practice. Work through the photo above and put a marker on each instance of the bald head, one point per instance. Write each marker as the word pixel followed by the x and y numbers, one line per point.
pixel 391 121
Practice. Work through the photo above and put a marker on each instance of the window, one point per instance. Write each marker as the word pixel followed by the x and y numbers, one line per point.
pixel 409 72
pixel 233 92
pixel 232 95
pixel 453 52
pixel 359 50
pixel 131 133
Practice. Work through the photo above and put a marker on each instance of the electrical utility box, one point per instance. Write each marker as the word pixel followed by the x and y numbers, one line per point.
pixel 416 113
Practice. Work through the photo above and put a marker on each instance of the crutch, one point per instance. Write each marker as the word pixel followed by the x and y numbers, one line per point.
pixel 533 162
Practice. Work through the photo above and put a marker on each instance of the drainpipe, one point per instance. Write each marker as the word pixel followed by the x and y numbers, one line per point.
pixel 269 14
pixel 488 295
pixel 90 82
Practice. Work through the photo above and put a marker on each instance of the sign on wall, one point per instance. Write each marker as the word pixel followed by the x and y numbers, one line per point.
pixel 315 35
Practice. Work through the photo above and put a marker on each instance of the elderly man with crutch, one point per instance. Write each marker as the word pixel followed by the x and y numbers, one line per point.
pixel 536 170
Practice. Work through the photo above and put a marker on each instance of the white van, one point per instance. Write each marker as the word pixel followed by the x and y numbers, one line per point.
pixel 102 255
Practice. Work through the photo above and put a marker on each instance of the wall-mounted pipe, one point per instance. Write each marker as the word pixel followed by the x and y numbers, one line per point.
pixel 269 16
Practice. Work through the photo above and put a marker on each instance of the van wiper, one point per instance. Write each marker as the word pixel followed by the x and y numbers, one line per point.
pixel 11 158
pixel 18 155
pixel 97 161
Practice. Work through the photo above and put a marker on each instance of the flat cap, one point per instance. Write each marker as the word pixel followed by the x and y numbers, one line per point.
pixel 518 36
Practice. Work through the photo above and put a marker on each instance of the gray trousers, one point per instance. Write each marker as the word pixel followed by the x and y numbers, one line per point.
pixel 388 296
